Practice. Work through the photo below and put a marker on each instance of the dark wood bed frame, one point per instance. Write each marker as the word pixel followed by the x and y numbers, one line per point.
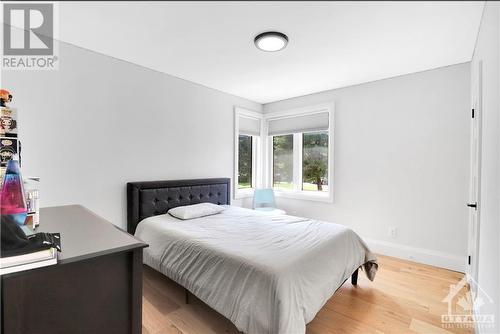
pixel 151 198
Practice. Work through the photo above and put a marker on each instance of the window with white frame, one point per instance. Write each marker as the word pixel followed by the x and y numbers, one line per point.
pixel 290 151
pixel 247 151
pixel 300 159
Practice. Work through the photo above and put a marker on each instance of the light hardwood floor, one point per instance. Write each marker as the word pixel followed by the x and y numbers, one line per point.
pixel 405 297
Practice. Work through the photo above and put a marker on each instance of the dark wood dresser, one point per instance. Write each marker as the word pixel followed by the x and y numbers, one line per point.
pixel 96 287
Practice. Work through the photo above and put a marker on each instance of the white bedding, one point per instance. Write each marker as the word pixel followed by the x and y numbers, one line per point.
pixel 267 274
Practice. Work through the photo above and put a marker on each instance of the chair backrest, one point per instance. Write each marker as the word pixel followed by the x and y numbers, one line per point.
pixel 263 198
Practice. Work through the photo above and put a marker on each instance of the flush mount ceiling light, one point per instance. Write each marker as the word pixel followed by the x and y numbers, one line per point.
pixel 271 41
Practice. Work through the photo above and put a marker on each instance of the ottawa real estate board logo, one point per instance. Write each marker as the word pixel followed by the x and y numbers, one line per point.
pixel 466 301
pixel 29 36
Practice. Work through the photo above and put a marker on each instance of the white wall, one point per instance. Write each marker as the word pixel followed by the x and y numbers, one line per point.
pixel 401 145
pixel 401 159
pixel 99 122
pixel 487 51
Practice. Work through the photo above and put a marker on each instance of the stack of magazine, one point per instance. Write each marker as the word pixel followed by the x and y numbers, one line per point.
pixel 38 253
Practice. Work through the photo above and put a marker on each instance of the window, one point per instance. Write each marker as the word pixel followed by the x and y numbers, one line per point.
pixel 303 166
pixel 245 162
pixel 283 162
pixel 247 152
pixel 290 151
pixel 300 158
pixel 315 161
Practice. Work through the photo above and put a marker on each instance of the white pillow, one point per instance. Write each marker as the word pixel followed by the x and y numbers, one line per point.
pixel 195 210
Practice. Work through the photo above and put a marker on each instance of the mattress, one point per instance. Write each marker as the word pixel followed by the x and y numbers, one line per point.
pixel 267 274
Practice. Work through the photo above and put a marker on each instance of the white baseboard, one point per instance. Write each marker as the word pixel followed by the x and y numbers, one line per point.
pixel 420 255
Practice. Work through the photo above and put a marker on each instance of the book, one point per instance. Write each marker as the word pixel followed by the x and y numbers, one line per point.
pixel 42 255
pixel 28 266
pixel 39 250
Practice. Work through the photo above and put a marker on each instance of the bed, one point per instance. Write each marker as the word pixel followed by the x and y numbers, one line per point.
pixel 265 273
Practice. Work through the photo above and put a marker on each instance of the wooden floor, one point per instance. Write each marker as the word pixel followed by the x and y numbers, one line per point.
pixel 405 297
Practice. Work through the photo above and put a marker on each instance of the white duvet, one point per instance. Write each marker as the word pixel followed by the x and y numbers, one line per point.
pixel 267 274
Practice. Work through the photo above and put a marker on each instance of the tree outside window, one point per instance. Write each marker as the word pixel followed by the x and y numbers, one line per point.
pixel 244 162
pixel 315 161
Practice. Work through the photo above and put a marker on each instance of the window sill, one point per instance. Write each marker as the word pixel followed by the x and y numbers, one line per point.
pixel 243 193
pixel 305 195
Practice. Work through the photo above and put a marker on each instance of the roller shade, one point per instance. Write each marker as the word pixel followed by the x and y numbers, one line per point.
pixel 249 126
pixel 301 123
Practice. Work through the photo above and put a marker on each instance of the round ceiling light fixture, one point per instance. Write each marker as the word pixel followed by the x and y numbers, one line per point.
pixel 271 41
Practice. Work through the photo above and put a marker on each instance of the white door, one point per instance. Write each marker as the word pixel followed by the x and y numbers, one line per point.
pixel 475 174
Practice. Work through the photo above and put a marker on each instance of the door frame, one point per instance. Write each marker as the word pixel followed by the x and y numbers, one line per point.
pixel 475 171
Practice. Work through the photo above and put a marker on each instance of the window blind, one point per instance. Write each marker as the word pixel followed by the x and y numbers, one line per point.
pixel 300 123
pixel 249 126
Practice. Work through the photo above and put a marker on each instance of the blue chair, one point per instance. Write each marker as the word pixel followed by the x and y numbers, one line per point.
pixel 263 200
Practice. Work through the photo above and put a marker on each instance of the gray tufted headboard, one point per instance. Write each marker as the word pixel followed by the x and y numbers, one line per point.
pixel 151 198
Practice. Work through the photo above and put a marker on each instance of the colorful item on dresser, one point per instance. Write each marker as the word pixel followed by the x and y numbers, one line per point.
pixel 9 144
pixel 5 97
pixel 8 148
pixel 12 196
pixel 8 122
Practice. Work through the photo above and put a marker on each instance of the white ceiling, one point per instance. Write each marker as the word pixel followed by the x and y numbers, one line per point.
pixel 332 44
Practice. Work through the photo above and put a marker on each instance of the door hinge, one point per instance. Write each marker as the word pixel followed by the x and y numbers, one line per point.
pixel 472 113
pixel 469 260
